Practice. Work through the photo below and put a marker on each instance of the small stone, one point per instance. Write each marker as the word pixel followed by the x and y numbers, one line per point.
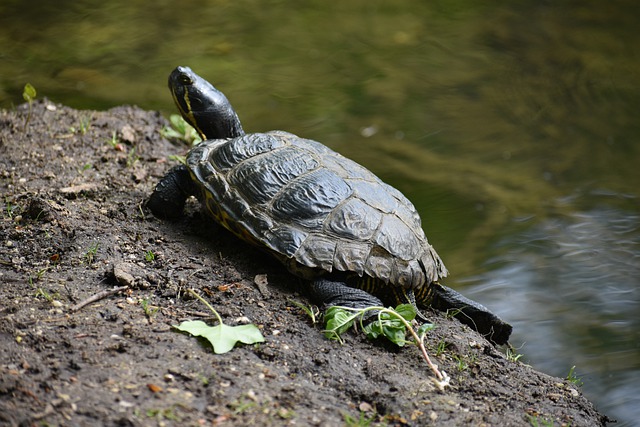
pixel 262 283
pixel 121 272
pixel 365 407
pixel 139 174
pixel 127 134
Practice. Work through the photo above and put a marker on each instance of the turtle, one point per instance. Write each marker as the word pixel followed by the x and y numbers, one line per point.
pixel 355 240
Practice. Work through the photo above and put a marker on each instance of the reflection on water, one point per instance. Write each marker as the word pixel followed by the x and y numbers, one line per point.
pixel 570 287
pixel 480 112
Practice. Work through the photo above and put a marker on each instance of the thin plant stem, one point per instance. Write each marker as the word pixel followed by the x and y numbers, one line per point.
pixel 195 294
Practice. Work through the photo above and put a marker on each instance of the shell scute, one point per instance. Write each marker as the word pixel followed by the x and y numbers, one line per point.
pixel 317 251
pixel 311 197
pixel 370 192
pixel 398 239
pixel 379 264
pixel 261 177
pixel 226 156
pixel 354 219
pixel 351 256
pixel 283 239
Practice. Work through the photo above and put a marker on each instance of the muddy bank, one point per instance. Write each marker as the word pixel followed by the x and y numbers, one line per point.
pixel 73 185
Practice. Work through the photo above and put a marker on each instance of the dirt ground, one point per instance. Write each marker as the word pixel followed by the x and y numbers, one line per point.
pixel 73 186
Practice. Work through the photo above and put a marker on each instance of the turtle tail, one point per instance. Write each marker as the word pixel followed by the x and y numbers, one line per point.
pixel 467 311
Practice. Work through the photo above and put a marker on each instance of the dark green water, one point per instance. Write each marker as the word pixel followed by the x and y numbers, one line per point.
pixel 513 126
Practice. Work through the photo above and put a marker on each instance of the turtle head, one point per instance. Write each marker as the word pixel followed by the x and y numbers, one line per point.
pixel 203 106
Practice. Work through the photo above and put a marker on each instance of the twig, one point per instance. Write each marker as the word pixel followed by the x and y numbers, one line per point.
pixel 98 296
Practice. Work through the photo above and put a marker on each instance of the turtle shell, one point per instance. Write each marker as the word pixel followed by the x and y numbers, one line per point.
pixel 312 208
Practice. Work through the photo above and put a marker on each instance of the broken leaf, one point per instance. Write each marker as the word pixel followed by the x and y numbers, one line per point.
pixel 222 337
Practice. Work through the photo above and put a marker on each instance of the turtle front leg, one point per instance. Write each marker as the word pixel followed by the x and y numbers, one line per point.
pixel 168 198
pixel 331 293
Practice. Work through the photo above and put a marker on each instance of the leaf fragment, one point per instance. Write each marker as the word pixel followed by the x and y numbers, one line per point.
pixel 222 337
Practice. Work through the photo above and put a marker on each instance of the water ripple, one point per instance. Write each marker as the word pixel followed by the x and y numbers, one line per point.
pixel 570 287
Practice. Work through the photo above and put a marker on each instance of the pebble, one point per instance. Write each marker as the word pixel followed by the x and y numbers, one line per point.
pixel 121 271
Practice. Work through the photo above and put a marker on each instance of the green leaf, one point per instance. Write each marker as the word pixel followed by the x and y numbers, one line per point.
pixel 395 334
pixel 390 326
pixel 29 92
pixel 178 122
pixel 424 328
pixel 338 321
pixel 407 311
pixel 179 159
pixel 222 337
pixel 180 129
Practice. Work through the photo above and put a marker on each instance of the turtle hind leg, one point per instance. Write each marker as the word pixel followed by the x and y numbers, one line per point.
pixel 470 313
pixel 168 198
pixel 337 293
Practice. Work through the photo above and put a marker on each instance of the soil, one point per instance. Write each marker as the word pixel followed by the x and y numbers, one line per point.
pixel 74 225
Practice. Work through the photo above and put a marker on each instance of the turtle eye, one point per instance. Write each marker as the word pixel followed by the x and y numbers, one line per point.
pixel 185 79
